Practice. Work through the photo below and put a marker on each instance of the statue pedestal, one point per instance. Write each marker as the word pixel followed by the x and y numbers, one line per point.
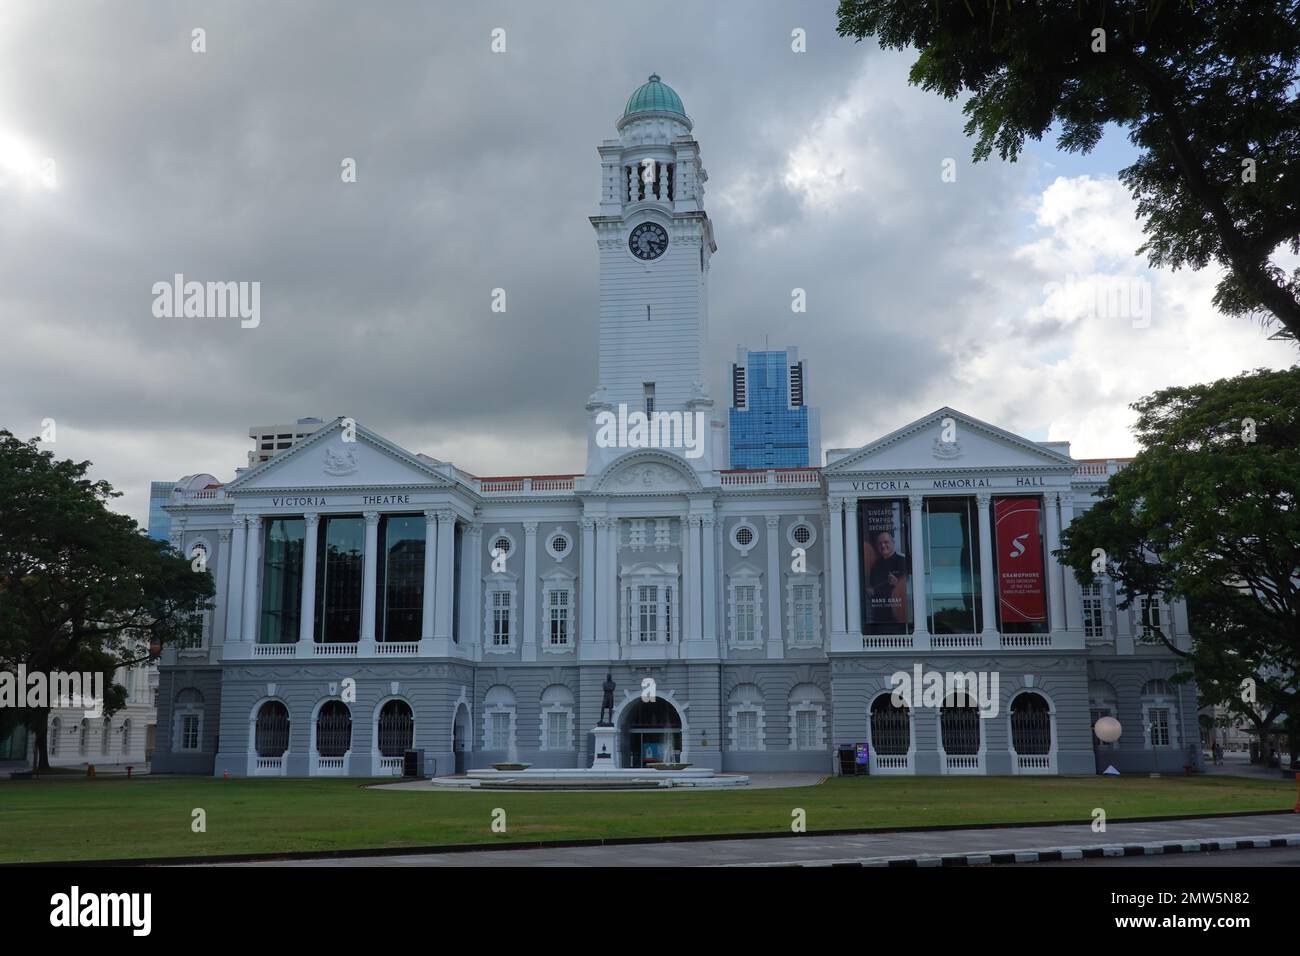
pixel 604 747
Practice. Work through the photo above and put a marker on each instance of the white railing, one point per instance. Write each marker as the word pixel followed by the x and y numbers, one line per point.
pixel 275 650
pixel 330 766
pixel 773 478
pixel 964 763
pixel 891 763
pixel 942 641
pixel 1036 763
pixel 887 642
pixel 388 767
pixel 334 650
pixel 266 766
pixel 394 648
pixel 498 486
pixel 1026 640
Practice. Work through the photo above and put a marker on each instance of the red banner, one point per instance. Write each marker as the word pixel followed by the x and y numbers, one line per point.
pixel 1019 545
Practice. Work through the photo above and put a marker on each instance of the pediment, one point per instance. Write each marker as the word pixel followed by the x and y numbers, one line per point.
pixel 329 460
pixel 647 473
pixel 948 439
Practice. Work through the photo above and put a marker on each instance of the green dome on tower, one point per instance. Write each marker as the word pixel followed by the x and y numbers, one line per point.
pixel 654 96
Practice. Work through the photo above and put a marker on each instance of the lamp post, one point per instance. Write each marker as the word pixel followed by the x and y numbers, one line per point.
pixel 1107 729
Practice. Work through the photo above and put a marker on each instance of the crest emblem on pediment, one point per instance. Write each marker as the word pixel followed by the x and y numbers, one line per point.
pixel 647 476
pixel 340 463
pixel 946 450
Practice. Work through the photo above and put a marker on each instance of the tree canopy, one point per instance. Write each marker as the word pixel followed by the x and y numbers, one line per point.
pixel 1207 513
pixel 82 588
pixel 1209 93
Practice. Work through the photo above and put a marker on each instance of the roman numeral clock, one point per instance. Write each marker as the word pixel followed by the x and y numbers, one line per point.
pixel 648 241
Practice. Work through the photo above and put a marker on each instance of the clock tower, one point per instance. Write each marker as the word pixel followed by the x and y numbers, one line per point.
pixel 655 241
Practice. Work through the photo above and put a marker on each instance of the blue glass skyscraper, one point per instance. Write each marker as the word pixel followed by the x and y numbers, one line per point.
pixel 770 426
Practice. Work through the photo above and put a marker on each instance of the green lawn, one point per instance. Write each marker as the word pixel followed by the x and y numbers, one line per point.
pixel 115 818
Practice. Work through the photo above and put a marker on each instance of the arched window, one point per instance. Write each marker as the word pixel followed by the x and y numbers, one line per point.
pixel 807 717
pixel 499 719
pixel 396 728
pixel 271 732
pixel 891 727
pixel 746 717
pixel 1031 725
pixel 1160 715
pixel 56 731
pixel 960 727
pixel 557 718
pixel 187 720
pixel 333 729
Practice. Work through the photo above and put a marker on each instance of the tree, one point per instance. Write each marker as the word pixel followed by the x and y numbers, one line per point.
pixel 1208 93
pixel 1207 513
pixel 82 588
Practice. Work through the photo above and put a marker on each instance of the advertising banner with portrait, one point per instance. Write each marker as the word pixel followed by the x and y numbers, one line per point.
pixel 885 569
pixel 1018 541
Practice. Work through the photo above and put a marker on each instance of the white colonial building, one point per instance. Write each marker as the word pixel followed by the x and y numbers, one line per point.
pixel 371 600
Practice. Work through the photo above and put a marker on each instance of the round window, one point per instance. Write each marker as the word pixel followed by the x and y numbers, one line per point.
pixel 744 537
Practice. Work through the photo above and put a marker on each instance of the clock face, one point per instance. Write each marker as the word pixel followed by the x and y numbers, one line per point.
pixel 648 241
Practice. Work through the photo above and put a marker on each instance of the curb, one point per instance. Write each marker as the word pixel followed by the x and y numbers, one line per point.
pixel 1057 854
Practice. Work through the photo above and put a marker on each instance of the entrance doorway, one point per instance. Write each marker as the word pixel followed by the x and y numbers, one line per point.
pixel 652 733
pixel 458 735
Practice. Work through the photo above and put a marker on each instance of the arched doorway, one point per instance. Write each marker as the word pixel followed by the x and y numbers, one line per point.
pixel 460 738
pixel 650 733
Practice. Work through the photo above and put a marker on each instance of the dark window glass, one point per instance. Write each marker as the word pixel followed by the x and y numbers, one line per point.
pixel 338 580
pixel 281 581
pixel 951 539
pixel 401 586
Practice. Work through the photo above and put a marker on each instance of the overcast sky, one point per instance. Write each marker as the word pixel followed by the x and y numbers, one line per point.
pixel 478 170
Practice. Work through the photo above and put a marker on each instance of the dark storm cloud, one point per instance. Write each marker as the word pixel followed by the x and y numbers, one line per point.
pixel 476 171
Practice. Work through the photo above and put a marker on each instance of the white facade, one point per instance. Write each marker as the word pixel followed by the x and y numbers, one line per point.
pixel 371 600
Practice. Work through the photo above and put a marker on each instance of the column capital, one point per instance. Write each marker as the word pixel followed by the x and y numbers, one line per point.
pixel 372 517
pixel 239 523
pixel 708 520
pixel 983 498
pixel 254 522
pixel 476 528
pixel 773 522
pixel 587 524
pixel 446 516
pixel 836 503
pixel 850 506
pixel 602 524
pixel 311 518
pixel 224 534
pixel 430 516
pixel 915 501
pixel 530 528
pixel 1067 498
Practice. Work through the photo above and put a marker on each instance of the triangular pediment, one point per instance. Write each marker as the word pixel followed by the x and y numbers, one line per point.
pixel 338 456
pixel 948 439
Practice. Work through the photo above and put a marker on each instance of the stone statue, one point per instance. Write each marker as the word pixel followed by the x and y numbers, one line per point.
pixel 607 701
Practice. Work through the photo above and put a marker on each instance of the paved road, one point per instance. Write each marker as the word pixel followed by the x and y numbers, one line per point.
pixel 813 849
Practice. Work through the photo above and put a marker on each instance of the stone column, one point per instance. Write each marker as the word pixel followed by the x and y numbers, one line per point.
pixel 852 562
pixel 603 595
pixel 611 572
pixel 252 578
pixel 987 591
pixel 775 585
pixel 369 581
pixel 430 576
pixel 529 616
pixel 474 605
pixel 836 566
pixel 307 616
pixel 709 567
pixel 693 594
pixel 1055 599
pixel 1069 586
pixel 446 578
pixel 587 616
pixel 222 585
pixel 235 581
pixel 921 631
